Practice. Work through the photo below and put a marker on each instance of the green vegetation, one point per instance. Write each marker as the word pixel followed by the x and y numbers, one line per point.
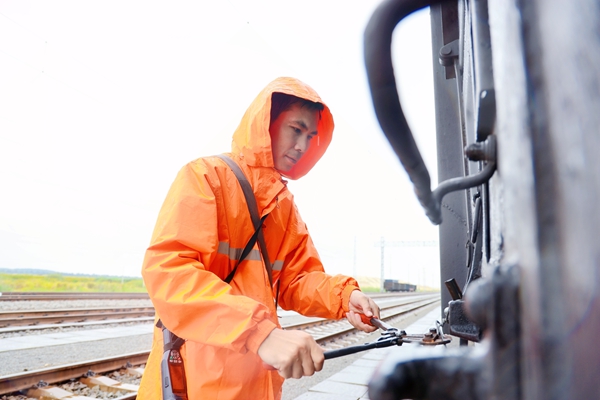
pixel 64 283
pixel 49 281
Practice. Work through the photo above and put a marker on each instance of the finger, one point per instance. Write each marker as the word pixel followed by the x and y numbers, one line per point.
pixel 318 357
pixel 356 320
pixel 364 305
pixel 286 372
pixel 375 309
pixel 308 367
pixel 306 362
pixel 298 369
pixel 370 308
pixel 353 318
pixel 367 328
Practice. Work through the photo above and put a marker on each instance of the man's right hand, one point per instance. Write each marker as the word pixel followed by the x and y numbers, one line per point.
pixel 293 354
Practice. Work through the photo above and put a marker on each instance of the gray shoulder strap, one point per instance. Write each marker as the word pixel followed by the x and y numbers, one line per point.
pixel 253 208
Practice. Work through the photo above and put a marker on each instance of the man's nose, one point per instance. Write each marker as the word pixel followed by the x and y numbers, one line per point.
pixel 302 143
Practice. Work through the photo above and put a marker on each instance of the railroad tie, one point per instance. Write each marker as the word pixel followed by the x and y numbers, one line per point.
pixel 108 384
pixel 53 392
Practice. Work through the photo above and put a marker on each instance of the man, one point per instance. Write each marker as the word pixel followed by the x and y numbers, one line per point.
pixel 235 348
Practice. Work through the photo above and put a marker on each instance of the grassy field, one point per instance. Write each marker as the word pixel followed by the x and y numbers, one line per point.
pixel 55 282
pixel 65 283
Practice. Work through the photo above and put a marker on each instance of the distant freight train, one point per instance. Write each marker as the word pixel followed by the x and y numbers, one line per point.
pixel 391 285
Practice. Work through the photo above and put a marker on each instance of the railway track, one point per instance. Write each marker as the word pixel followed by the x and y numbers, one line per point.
pixel 388 309
pixel 11 321
pixel 52 296
pixel 30 320
pixel 45 383
pixel 40 383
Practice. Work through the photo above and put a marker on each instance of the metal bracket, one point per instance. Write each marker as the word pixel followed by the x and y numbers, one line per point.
pixel 460 324
pixel 449 53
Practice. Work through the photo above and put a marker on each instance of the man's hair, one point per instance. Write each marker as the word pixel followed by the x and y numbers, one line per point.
pixel 281 102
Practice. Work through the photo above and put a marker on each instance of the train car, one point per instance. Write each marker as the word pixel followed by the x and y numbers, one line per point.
pixel 517 98
pixel 393 285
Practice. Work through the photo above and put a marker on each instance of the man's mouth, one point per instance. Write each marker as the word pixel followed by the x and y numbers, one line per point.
pixel 292 159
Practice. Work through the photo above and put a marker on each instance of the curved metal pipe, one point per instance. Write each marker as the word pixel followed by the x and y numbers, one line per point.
pixel 380 73
pixel 454 184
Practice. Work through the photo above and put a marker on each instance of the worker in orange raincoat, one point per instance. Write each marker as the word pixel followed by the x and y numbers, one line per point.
pixel 234 346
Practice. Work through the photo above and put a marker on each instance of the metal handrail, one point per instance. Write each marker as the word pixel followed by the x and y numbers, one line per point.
pixel 382 82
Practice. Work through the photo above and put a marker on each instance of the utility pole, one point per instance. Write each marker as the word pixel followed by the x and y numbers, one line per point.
pixel 354 265
pixel 382 242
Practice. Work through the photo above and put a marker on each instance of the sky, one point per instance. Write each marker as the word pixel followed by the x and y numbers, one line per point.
pixel 102 102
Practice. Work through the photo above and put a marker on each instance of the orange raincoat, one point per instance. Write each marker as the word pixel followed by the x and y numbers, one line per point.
pixel 202 228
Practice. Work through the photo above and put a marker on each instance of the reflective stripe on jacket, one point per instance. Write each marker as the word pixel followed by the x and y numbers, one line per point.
pixel 202 228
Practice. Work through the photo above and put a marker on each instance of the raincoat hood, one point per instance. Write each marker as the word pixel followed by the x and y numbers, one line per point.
pixel 252 141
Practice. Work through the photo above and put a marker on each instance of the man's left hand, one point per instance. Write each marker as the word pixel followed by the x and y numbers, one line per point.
pixel 361 304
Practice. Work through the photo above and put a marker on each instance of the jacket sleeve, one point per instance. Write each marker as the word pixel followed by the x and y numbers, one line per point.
pixel 192 301
pixel 305 287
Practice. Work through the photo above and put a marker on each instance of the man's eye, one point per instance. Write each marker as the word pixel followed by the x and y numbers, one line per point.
pixel 297 130
pixel 310 137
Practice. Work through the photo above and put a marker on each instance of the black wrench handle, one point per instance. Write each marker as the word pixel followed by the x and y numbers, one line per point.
pixel 348 350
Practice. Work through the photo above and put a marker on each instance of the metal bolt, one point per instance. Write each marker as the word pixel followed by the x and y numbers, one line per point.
pixel 482 151
pixel 446 50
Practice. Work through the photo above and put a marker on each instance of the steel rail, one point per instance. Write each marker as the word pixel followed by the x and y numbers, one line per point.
pixel 313 322
pixel 62 316
pixel 18 296
pixel 75 324
pixel 16 321
pixel 24 380
pixel 379 295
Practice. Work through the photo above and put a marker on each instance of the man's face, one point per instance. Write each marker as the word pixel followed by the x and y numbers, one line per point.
pixel 291 134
